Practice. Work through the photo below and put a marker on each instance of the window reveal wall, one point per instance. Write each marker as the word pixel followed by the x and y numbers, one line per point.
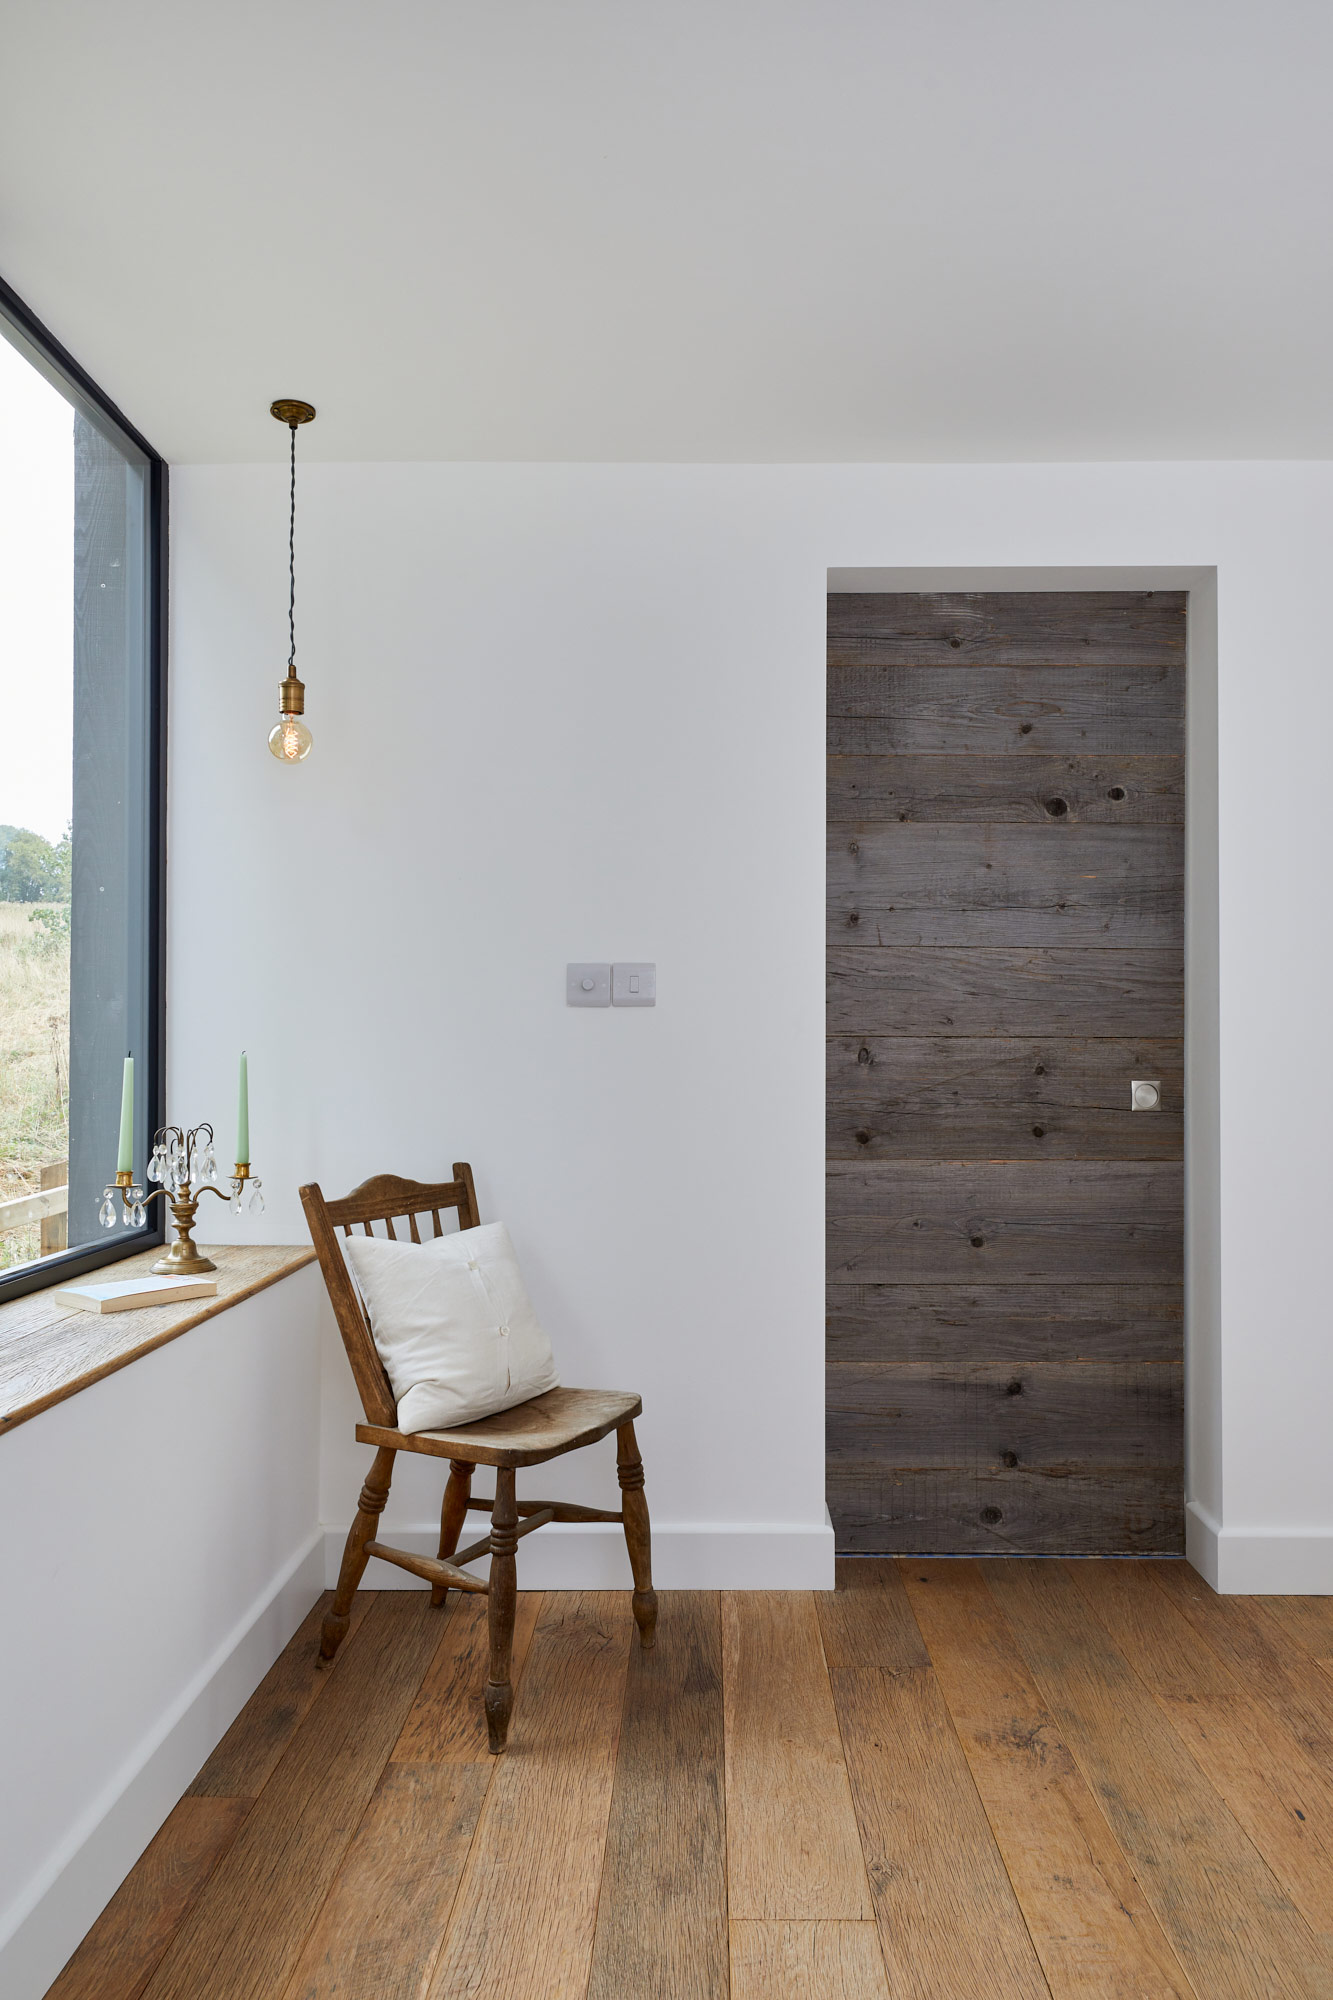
pixel 1005 939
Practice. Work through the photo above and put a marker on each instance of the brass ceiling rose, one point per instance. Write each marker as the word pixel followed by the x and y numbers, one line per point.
pixel 288 411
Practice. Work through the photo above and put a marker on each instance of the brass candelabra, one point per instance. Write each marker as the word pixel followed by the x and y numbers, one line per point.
pixel 185 1166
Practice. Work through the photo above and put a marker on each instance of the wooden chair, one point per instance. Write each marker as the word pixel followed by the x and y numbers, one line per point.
pixel 546 1427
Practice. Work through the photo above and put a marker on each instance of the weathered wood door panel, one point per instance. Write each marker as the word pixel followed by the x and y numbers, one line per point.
pixel 908 1097
pixel 1005 932
pixel 1006 885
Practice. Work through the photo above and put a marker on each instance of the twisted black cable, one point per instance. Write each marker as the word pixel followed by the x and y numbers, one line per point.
pixel 291 562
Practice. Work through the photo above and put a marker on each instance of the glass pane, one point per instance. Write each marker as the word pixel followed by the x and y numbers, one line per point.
pixel 74 808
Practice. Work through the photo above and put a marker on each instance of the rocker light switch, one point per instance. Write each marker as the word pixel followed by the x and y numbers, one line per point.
pixel 633 985
pixel 587 986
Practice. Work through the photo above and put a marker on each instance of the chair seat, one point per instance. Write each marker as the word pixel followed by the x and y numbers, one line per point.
pixel 559 1421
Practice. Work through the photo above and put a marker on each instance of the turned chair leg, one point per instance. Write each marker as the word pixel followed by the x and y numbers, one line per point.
pixel 500 1608
pixel 369 1508
pixel 453 1513
pixel 638 1534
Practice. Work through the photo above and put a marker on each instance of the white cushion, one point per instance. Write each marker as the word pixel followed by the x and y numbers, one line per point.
pixel 454 1327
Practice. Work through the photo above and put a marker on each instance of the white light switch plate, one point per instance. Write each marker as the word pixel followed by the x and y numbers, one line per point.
pixel 633 985
pixel 587 986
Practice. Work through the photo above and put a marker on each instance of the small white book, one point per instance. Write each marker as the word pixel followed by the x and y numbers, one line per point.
pixel 122 1294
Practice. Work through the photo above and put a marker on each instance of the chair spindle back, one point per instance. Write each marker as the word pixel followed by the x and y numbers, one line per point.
pixel 388 1199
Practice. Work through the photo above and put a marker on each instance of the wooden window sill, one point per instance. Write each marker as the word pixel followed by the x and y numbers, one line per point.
pixel 49 1351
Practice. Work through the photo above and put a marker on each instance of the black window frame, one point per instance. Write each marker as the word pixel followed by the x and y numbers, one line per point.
pixel 53 360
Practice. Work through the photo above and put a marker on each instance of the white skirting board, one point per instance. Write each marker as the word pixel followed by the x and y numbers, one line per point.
pixel 1267 1562
pixel 41 1928
pixel 590 1555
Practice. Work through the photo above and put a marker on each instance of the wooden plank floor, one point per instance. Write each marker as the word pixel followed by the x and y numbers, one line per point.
pixel 1032 1780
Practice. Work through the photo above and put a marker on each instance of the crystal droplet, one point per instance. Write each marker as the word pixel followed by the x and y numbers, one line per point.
pixel 256 1203
pixel 136 1215
pixel 106 1214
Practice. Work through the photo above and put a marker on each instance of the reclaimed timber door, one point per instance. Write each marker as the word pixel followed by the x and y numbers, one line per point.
pixel 1005 957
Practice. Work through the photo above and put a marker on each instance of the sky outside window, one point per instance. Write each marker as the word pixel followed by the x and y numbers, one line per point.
pixel 36 599
pixel 36 781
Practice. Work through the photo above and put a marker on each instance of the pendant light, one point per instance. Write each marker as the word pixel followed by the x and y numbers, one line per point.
pixel 289 739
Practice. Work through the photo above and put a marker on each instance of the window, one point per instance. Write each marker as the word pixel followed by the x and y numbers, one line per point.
pixel 82 646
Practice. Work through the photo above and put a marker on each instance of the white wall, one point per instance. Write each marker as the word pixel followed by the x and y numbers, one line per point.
pixel 577 712
pixel 164 1545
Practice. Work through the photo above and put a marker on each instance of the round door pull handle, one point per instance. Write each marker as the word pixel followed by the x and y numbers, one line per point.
pixel 1145 1095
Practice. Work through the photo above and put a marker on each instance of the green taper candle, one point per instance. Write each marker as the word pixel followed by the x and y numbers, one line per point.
pixel 243 1116
pixel 125 1157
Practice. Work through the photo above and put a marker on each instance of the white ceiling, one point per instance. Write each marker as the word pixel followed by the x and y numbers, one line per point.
pixel 683 229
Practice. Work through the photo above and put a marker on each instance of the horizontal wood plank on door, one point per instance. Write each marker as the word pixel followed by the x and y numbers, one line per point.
pixel 1094 1930
pixel 900 1509
pixel 524 1918
pixel 244 1760
pixel 1105 627
pixel 244 1932
pixel 1099 711
pixel 1235 1929
pixel 966 1323
pixel 1276 1791
pixel 987 1097
pixel 381 1924
pixel 801 1961
pixel 1039 1222
pixel 997 1132
pixel 117 1958
pixel 950 1926
pixel 662 1910
pixel 447 1721
pixel 940 990
pixel 792 1847
pixel 1056 1417
pixel 1007 886
pixel 1013 787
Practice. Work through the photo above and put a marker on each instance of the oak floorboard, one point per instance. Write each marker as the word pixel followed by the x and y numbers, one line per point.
pixel 246 1929
pixel 867 1621
pixel 447 1722
pixel 526 1909
pixel 118 1956
pixel 950 1926
pixel 1094 1930
pixel 662 1911
pixel 810 1960
pixel 245 1759
pixel 1256 1646
pixel 1309 1621
pixel 1277 1792
pixel 792 1846
pixel 377 1934
pixel 1235 1929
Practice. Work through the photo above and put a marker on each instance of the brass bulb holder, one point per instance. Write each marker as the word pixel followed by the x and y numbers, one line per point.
pixel 242 1171
pixel 291 694
pixel 123 1180
pixel 288 410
